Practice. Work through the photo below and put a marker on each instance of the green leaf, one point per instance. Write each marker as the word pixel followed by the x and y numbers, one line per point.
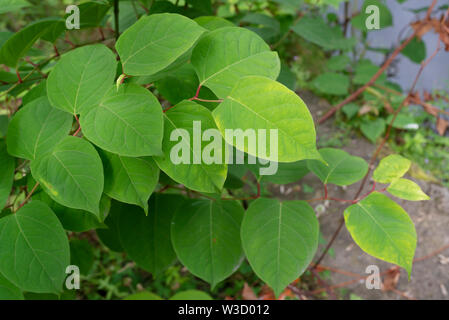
pixel 146 239
pixel 415 50
pixel 12 5
pixel 261 103
pixel 338 63
pixel 72 174
pixel 365 70
pixel 127 122
pixel 332 83
pixel 408 190
pixel 279 239
pixel 342 169
pixel 225 55
pixel 317 31
pixel 382 229
pixel 7 165
pixel 205 236
pixel 373 129
pixel 82 255
pixel 81 78
pixel 143 295
pixel 350 110
pixel 212 22
pixel 191 295
pixel 129 180
pixel 184 157
pixel 8 291
pixel 156 41
pixel 391 168
pixel 36 129
pixel 34 250
pixel 17 45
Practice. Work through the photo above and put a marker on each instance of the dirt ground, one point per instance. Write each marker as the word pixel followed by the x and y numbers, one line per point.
pixel 430 277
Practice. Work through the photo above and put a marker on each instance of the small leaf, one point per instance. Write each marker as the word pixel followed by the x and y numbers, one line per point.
pixel 338 63
pixel 261 103
pixel 332 83
pixel 127 122
pixel 415 50
pixel 391 168
pixel 34 250
pixel 190 168
pixel 36 129
pixel 382 229
pixel 317 31
pixel 81 78
pixel 129 180
pixel 342 169
pixel 288 172
pixel 373 129
pixel 156 41
pixel 7 165
pixel 72 174
pixel 225 55
pixel 408 190
pixel 279 239
pixel 205 236
pixel 191 295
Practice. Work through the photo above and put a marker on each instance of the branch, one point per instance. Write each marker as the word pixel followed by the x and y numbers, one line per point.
pixel 387 63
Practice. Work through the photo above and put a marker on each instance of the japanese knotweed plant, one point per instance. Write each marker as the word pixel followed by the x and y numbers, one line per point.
pixel 90 148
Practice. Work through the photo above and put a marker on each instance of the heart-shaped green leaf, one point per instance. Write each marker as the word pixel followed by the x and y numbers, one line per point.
pixel 127 122
pixel 194 172
pixel 225 55
pixel 156 41
pixel 72 174
pixel 34 250
pixel 36 129
pixel 260 103
pixel 206 238
pixel 279 239
pixel 382 229
pixel 342 169
pixel 81 78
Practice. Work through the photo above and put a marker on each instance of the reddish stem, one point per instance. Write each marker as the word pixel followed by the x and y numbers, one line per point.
pixel 28 196
pixel 18 76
